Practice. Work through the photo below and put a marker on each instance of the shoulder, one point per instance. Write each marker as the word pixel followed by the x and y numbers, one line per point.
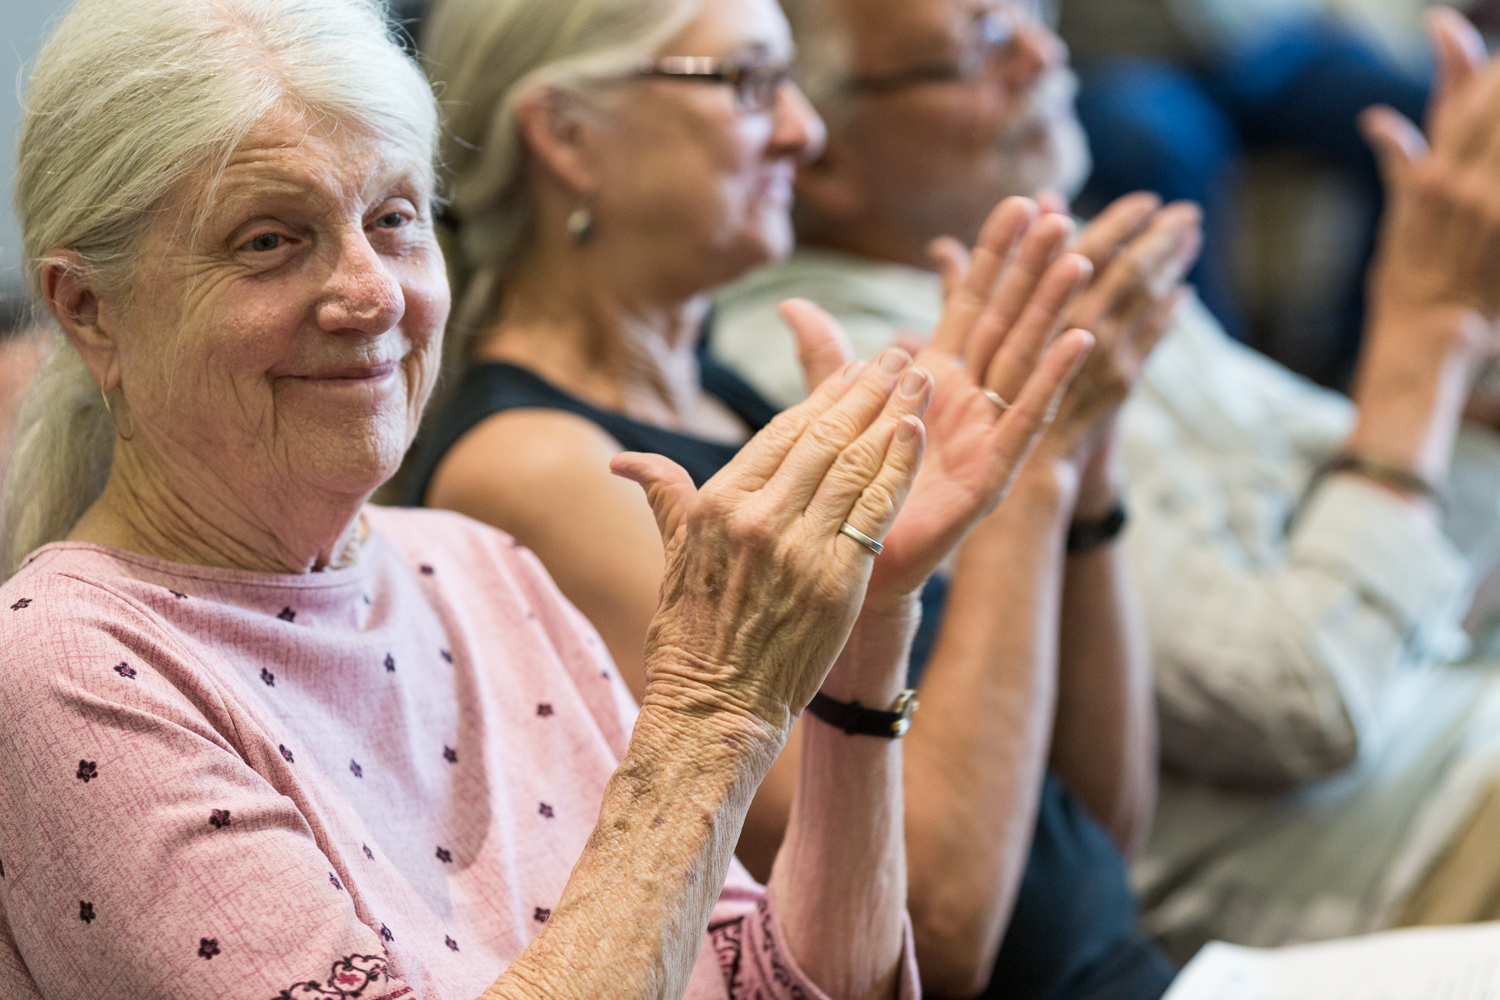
pixel 525 448
pixel 528 471
pixel 80 636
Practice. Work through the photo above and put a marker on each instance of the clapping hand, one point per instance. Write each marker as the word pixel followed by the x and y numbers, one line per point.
pixel 999 369
pixel 1439 256
pixel 762 586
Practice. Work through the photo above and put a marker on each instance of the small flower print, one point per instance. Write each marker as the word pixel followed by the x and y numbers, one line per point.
pixel 604 674
pixel 544 710
pixel 179 596
pixel 125 670
pixel 287 754
pixel 385 932
pixel 208 947
pixel 368 853
pixel 21 605
pixel 366 597
pixel 268 677
pixel 87 771
pixel 287 615
pixel 2 869
pixel 445 856
pixel 452 944
pixel 541 915
pixel 86 912
pixel 390 663
pixel 450 755
pixel 355 769
pixel 545 810
pixel 219 818
pixel 334 881
pixel 427 570
pixel 447 656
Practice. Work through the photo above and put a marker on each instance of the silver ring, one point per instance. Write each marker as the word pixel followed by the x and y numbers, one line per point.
pixel 862 538
pixel 997 399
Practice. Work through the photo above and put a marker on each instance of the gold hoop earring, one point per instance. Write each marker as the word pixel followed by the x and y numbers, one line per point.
pixel 108 409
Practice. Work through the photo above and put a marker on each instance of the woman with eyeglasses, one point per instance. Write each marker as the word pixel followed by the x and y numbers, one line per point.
pixel 612 162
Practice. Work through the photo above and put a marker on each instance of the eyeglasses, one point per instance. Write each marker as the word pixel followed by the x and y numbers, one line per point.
pixel 755 85
pixel 993 33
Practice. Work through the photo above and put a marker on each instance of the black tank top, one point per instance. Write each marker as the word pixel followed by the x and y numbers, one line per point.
pixel 494 388
pixel 1071 935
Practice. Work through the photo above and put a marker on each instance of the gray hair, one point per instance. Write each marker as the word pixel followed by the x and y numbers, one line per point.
pixel 128 100
pixel 484 57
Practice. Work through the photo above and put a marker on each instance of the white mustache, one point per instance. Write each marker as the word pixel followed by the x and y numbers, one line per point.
pixel 1050 99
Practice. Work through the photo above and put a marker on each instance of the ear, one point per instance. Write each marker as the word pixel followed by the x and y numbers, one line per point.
pixel 833 188
pixel 557 135
pixel 79 308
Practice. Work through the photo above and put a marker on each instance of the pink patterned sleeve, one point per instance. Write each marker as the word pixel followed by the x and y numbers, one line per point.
pixel 754 958
pixel 144 856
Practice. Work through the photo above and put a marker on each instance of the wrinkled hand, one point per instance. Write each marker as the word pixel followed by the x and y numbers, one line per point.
pixel 761 589
pixel 1435 282
pixel 1005 305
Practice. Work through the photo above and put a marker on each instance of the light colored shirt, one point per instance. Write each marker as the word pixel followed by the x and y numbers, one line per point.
pixel 1313 650
pixel 370 782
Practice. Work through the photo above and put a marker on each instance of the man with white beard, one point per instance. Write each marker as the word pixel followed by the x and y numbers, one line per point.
pixel 1328 769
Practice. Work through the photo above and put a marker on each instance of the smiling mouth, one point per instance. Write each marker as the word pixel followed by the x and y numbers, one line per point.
pixel 354 374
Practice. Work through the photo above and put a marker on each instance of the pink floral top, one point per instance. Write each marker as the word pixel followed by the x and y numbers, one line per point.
pixel 370 783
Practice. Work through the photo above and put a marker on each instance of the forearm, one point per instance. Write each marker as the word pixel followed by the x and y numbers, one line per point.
pixel 977 751
pixel 1104 744
pixel 632 917
pixel 839 881
pixel 1411 393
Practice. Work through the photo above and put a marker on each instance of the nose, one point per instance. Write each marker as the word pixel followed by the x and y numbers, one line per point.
pixel 361 296
pixel 797 129
pixel 1034 50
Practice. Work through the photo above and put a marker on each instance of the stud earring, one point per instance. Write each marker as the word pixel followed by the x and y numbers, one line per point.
pixel 581 225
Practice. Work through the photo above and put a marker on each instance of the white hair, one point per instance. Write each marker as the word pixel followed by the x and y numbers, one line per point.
pixel 484 57
pixel 128 100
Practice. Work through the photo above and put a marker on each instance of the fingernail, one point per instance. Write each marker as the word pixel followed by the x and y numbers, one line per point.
pixel 906 431
pixel 892 362
pixel 852 370
pixel 913 382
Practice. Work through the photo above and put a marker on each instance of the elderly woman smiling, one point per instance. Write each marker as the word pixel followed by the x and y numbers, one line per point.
pixel 259 739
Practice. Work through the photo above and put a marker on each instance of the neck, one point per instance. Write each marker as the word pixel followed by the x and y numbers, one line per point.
pixel 189 515
pixel 618 348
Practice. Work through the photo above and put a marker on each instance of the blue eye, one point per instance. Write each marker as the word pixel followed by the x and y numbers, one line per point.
pixel 265 242
pixel 391 220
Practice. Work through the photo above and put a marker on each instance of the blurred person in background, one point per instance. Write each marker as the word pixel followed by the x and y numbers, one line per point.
pixel 1303 590
pixel 612 162
pixel 1174 94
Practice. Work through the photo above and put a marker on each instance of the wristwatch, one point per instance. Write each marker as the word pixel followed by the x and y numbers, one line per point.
pixel 1085 536
pixel 854 719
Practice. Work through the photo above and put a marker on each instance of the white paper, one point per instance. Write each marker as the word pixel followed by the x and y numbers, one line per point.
pixel 1440 963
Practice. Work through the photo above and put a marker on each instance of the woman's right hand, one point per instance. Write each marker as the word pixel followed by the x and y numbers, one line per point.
pixel 761 587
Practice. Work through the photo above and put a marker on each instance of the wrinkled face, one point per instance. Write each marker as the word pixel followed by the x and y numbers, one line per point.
pixel 940 149
pixel 286 323
pixel 698 183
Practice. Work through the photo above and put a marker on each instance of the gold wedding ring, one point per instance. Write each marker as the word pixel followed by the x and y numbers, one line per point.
pixel 861 538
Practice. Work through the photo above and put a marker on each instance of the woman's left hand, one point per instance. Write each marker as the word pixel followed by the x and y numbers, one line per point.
pixel 1005 304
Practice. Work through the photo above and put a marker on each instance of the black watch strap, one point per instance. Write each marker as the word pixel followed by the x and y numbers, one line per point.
pixel 856 720
pixel 1086 535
